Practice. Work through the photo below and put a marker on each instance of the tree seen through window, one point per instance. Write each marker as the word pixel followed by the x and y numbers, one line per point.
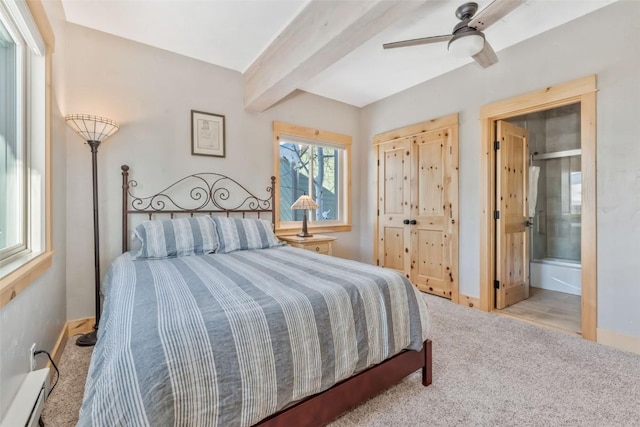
pixel 311 169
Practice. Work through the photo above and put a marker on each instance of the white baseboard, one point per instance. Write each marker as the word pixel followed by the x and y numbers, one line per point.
pixel 619 341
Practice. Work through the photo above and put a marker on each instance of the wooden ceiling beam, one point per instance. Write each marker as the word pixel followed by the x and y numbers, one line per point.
pixel 320 35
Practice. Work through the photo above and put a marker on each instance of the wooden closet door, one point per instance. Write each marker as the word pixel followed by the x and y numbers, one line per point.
pixel 434 243
pixel 394 205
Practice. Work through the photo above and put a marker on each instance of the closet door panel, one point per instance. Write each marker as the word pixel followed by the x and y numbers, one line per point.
pixel 394 205
pixel 394 245
pixel 430 254
pixel 431 260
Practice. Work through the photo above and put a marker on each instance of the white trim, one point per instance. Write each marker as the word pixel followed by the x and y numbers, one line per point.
pixel 19 11
pixel 30 132
pixel 18 188
pixel 36 146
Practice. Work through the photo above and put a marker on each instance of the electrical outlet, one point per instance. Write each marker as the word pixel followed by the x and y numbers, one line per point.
pixel 32 357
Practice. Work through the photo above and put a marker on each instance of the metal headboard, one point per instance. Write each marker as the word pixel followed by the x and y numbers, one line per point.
pixel 210 193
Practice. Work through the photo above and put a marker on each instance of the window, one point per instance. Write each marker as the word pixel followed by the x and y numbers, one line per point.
pixel 13 159
pixel 24 202
pixel 316 163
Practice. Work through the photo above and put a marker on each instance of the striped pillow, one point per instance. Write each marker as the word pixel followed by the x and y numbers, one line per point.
pixel 176 237
pixel 236 234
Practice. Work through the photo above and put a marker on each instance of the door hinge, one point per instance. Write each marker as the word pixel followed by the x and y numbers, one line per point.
pixel 496 214
pixel 496 145
pixel 378 212
pixel 378 162
pixel 377 262
pixel 496 284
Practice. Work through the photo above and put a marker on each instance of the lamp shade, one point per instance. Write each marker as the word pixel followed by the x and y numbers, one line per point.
pixel 92 128
pixel 466 44
pixel 304 202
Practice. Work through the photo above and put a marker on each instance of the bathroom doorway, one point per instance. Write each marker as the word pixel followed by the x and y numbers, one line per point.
pixel 504 283
pixel 552 218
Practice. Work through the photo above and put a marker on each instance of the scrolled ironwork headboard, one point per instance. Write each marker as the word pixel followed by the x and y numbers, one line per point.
pixel 208 193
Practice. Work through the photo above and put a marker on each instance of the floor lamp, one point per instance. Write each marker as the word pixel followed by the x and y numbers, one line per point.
pixel 94 130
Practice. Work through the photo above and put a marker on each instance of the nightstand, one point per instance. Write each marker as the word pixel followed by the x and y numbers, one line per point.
pixel 317 243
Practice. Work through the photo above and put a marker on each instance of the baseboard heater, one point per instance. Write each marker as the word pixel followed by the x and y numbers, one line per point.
pixel 27 406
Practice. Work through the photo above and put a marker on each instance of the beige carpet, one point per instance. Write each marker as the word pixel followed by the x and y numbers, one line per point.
pixel 61 409
pixel 488 370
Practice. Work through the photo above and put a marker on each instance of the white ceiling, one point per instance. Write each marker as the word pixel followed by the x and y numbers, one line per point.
pixel 233 33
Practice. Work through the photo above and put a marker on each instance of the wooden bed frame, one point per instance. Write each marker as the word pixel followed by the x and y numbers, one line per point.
pixel 211 195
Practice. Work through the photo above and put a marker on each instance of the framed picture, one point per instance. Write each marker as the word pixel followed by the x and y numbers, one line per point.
pixel 207 134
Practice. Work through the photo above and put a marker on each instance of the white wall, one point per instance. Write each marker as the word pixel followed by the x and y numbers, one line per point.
pixel 603 43
pixel 151 92
pixel 38 314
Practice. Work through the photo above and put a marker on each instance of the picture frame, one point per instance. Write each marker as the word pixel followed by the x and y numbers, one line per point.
pixel 207 134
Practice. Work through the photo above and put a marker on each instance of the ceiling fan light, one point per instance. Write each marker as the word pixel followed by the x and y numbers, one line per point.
pixel 466 45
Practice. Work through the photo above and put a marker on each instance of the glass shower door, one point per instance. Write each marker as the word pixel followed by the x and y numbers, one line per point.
pixel 557 224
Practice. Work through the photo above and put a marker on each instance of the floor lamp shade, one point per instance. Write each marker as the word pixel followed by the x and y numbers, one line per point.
pixel 94 130
pixel 304 203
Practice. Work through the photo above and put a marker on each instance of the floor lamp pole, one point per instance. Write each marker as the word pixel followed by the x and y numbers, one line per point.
pixel 93 130
pixel 90 338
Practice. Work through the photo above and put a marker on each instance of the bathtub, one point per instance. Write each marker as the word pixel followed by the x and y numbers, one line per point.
pixel 556 275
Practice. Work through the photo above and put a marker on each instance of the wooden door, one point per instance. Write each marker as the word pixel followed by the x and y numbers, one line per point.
pixel 434 243
pixel 394 205
pixel 512 260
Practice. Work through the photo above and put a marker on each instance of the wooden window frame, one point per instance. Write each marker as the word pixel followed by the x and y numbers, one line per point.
pixel 281 129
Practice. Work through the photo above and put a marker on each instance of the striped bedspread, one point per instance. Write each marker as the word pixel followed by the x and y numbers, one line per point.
pixel 229 339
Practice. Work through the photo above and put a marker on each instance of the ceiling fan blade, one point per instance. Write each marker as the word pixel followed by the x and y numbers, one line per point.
pixel 415 42
pixel 486 57
pixel 493 13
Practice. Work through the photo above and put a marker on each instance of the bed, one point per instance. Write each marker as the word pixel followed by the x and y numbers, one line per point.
pixel 213 321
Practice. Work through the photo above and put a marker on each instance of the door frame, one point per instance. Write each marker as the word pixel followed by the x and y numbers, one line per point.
pixel 412 130
pixel 582 90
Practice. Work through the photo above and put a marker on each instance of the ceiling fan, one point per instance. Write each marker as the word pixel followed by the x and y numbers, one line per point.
pixel 467 38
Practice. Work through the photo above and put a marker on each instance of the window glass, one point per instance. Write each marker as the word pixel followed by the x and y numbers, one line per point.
pixel 313 169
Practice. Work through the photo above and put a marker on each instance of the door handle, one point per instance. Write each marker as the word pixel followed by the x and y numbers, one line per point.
pixel 405 222
pixel 528 223
pixel 413 222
